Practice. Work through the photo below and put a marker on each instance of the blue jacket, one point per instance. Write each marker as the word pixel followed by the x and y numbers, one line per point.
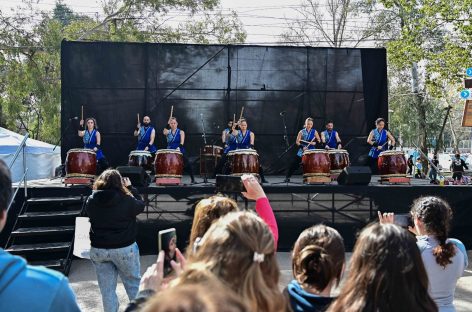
pixel 303 301
pixel 33 288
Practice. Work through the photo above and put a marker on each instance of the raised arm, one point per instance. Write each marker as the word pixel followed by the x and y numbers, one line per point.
pixel 391 138
pixel 252 138
pixel 81 132
pixel 136 131
pixel 182 137
pixel 323 139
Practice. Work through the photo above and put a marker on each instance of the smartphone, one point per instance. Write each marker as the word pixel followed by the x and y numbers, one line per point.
pixel 167 241
pixel 404 220
pixel 229 184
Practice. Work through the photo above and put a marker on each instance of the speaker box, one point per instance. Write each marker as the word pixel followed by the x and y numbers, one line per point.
pixel 355 175
pixel 137 175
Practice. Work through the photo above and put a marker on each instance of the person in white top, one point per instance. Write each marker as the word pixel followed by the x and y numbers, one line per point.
pixel 445 259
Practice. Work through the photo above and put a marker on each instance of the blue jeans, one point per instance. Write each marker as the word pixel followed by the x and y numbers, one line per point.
pixel 108 264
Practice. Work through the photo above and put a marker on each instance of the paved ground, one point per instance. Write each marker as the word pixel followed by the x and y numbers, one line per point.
pixel 83 280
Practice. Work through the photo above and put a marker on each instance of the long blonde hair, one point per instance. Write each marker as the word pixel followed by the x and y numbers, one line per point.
pixel 208 211
pixel 229 249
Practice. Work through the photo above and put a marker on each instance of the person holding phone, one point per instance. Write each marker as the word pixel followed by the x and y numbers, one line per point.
pixel 445 259
pixel 112 209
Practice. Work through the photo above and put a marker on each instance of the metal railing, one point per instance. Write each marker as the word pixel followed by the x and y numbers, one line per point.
pixel 23 179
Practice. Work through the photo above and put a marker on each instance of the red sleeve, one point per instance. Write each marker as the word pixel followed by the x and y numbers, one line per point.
pixel 264 210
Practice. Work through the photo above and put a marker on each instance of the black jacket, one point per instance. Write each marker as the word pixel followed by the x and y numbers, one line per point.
pixel 113 217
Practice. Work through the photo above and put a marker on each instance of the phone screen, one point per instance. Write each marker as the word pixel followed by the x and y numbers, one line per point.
pixel 229 184
pixel 403 220
pixel 168 242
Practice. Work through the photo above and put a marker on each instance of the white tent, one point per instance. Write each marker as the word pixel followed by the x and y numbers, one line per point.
pixel 41 160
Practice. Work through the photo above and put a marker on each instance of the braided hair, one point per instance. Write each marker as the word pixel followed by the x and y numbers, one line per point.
pixel 436 215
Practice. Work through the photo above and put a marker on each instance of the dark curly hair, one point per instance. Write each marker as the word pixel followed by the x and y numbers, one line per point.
pixel 436 215
pixel 318 257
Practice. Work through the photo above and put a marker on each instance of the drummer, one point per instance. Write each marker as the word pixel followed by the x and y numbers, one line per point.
pixel 245 140
pixel 175 140
pixel 92 139
pixel 146 135
pixel 244 137
pixel 226 133
pixel 230 144
pixel 378 139
pixel 307 139
pixel 330 137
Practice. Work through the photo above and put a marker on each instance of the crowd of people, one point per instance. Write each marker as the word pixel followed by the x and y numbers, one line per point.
pixel 230 263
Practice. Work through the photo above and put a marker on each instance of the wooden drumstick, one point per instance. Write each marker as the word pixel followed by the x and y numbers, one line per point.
pixel 82 113
pixel 171 111
pixel 242 111
pixel 234 120
pixel 138 118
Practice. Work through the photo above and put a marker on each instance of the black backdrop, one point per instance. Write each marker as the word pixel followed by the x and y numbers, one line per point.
pixel 116 81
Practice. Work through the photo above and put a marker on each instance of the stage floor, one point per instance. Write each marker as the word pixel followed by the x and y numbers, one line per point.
pixel 272 181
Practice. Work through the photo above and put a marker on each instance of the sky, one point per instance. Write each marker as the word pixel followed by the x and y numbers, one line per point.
pixel 263 20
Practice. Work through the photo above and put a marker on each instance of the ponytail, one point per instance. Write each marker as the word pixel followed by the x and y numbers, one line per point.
pixel 444 251
pixel 318 257
pixel 313 266
pixel 436 215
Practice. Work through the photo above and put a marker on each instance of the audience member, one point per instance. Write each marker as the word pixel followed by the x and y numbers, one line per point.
pixel 210 210
pixel 444 259
pixel 24 287
pixel 317 265
pixel 202 297
pixel 239 249
pixel 386 274
pixel 112 208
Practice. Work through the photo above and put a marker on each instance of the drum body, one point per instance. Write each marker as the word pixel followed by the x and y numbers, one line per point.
pixel 81 163
pixel 169 163
pixel 392 164
pixel 141 159
pixel 339 160
pixel 316 163
pixel 210 155
pixel 243 161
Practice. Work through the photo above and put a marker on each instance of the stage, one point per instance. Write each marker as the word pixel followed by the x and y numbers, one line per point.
pixel 348 208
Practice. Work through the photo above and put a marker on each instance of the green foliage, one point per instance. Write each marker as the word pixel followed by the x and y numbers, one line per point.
pixel 30 71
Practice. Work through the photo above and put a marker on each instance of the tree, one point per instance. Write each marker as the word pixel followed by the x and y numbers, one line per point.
pixel 30 43
pixel 333 23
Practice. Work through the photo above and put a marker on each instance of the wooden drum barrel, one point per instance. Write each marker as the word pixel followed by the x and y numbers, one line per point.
pixel 316 166
pixel 339 160
pixel 141 159
pixel 392 164
pixel 209 158
pixel 81 163
pixel 243 161
pixel 169 163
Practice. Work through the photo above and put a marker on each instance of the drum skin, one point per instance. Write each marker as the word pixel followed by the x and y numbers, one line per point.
pixel 243 161
pixel 392 164
pixel 339 160
pixel 316 163
pixel 211 150
pixel 141 159
pixel 169 163
pixel 209 157
pixel 81 163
